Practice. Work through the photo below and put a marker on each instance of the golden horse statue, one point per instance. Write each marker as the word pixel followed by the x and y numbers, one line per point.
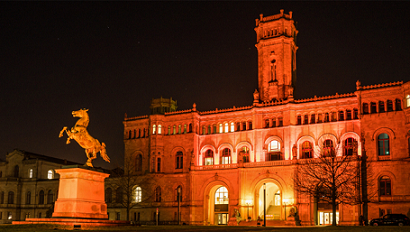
pixel 80 134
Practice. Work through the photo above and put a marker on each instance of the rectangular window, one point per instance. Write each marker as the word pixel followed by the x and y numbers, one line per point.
pixel 118 216
pixel 159 165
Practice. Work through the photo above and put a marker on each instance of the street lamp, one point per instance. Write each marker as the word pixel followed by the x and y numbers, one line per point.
pixel 248 202
pixel 264 204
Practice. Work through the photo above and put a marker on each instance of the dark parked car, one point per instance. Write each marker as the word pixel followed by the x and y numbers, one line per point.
pixel 391 219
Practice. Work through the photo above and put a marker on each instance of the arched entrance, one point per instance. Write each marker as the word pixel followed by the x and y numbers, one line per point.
pixel 272 200
pixel 218 205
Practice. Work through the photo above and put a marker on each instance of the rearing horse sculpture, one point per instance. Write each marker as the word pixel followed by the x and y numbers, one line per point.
pixel 80 134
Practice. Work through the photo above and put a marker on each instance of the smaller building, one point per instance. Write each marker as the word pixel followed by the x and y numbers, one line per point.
pixel 28 185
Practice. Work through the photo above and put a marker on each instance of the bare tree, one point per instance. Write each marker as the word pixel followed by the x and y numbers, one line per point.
pixel 330 178
pixel 126 180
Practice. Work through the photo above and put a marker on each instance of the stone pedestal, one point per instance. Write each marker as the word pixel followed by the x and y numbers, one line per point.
pixel 80 194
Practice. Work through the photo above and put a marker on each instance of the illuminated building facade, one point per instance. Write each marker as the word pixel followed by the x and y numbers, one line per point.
pixel 222 160
pixel 28 185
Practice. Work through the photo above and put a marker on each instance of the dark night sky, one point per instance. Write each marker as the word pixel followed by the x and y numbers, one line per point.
pixel 113 58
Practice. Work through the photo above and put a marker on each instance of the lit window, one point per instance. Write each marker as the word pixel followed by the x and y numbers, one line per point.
pixel 307 150
pixel 179 129
pixel 350 146
pixel 226 156
pixel 408 100
pixel 9 216
pixel 209 157
pixel 138 194
pixel 277 198
pixel 274 151
pixel 220 128
pixel 274 146
pixel 50 174
pixel 221 196
pixel 154 128
pixel 159 129
pixel 244 152
pixel 226 128
pixel 184 128
pixel 232 127
pixel 30 173
pixel 328 148
pixel 383 144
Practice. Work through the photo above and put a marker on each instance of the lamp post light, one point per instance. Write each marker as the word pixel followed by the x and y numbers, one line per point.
pixel 248 202
pixel 264 204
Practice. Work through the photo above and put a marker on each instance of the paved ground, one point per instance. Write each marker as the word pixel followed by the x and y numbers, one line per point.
pixel 49 228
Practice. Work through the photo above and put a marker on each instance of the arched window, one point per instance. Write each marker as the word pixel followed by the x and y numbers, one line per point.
pixel 348 115
pixel 326 119
pixel 108 195
pixel 169 130
pixel 244 153
pixel 41 197
pixel 10 199
pixel 174 131
pixel 250 125
pixel 154 129
pixel 158 194
pixel 220 128
pixel 312 118
pixel 397 103
pixel 299 120
pixel 190 128
pixel 16 171
pixel 221 196
pixel 226 127
pixel 179 160
pixel 350 147
pixel 373 108
pixel 341 115
pixel 119 195
pixel 138 194
pixel 274 151
pixel 129 134
pixel 266 123
pixel 178 192
pixel 365 108
pixel 408 100
pixel 383 144
pixel 179 129
pixel 328 149
pixel 50 174
pixel 159 129
pixel 389 105
pixel 209 157
pixel 209 130
pixel 138 163
pixel 30 173
pixel 226 156
pixel 232 127
pixel 307 151
pixel 381 107
pixel 28 198
pixel 385 186
pixel 355 114
pixel 306 119
pixel 184 128
pixel 50 199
